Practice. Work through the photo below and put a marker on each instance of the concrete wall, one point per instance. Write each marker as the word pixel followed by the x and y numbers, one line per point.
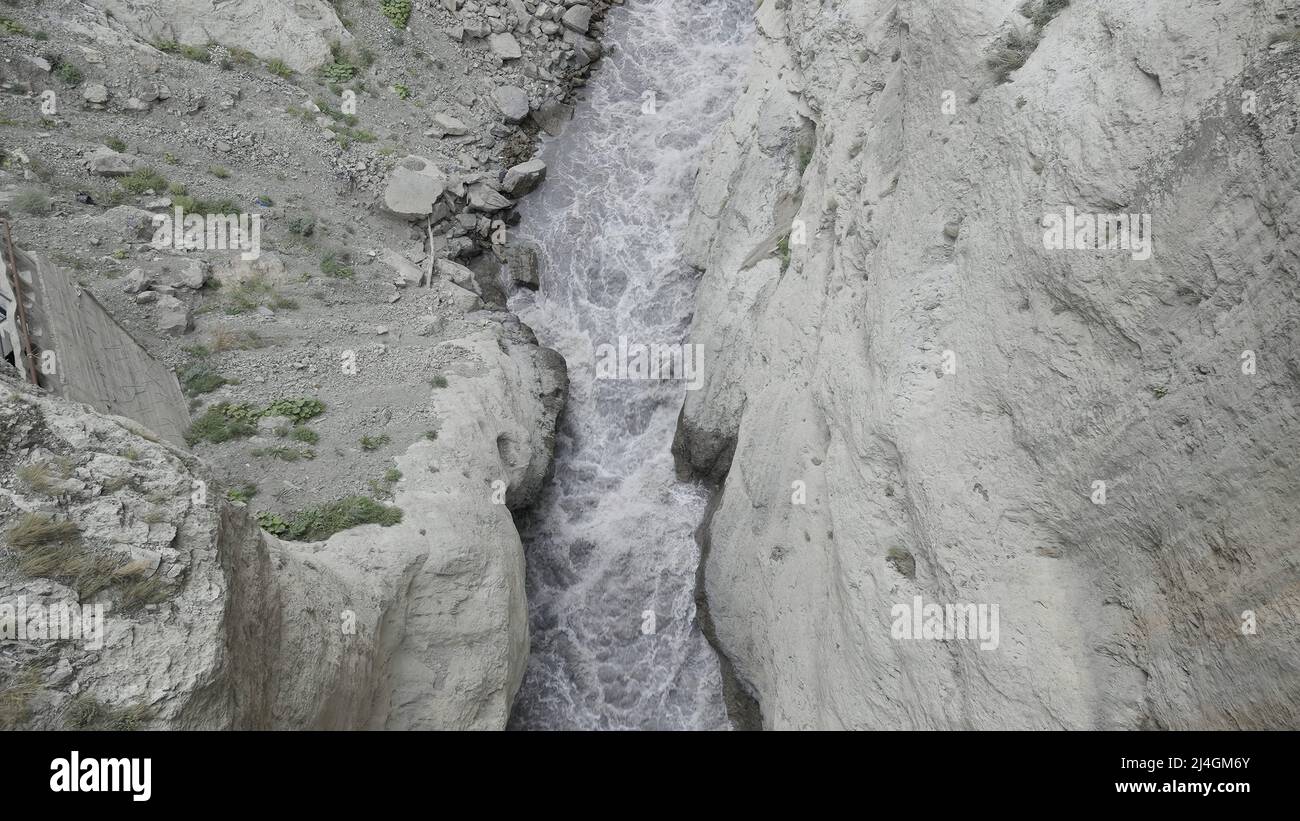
pixel 95 360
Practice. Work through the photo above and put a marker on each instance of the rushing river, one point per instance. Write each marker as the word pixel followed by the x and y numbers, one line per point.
pixel 610 546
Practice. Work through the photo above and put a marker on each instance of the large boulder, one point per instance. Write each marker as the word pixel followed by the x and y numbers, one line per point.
pixel 523 178
pixel 414 186
pixel 512 102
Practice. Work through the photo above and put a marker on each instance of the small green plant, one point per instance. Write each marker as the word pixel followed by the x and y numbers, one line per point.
pixel 337 264
pixel 219 424
pixel 373 443
pixel 318 524
pixel 279 68
pixel 242 493
pixel 302 226
pixel 402 91
pixel 398 11
pixel 431 435
pixel 337 72
pixel 392 476
pixel 115 144
pixel 68 73
pixel 285 454
pixel 438 381
pixel 194 205
pixel 1011 52
pixel 44 477
pixel 302 433
pixel 8 26
pixel 299 409
pixel 199 378
pixel 31 201
pixel 145 179
pixel 218 172
pixel 783 250
pixel 1159 391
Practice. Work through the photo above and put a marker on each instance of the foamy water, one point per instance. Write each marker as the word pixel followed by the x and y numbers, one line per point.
pixel 612 539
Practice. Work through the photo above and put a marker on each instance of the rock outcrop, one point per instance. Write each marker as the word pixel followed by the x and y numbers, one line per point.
pixel 298 33
pixel 212 623
pixel 908 394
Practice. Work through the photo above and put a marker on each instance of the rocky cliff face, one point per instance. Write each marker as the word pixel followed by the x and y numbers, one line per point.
pixel 209 622
pixel 908 394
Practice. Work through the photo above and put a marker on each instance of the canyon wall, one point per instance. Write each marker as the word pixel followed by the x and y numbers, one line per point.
pixel 908 394
pixel 212 623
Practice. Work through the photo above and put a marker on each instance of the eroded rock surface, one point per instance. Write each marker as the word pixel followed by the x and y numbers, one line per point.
pixel 922 183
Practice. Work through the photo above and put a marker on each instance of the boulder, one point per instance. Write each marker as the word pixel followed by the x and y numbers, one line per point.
pixel 577 18
pixel 109 163
pixel 174 318
pixel 523 178
pixel 505 46
pixel 413 187
pixel 512 102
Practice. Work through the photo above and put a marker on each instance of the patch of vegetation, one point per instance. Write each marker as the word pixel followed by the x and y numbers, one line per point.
pixel 438 381
pixel 199 54
pixel 194 205
pixel 347 136
pixel 242 493
pixel 8 26
pixel 31 201
pixel 39 529
pixel 252 294
pixel 15 697
pixel 227 339
pixel 145 591
pixel 431 435
pixel 337 265
pixel 783 249
pixel 302 433
pixel 319 523
pixel 51 549
pixel 299 409
pixel 373 443
pixel 199 378
pixel 218 425
pixel 402 91
pixel 285 454
pixel 218 172
pixel 1010 52
pixel 142 180
pixel 44 477
pixel 115 144
pixel 68 73
pixel 88 713
pixel 398 11
pixel 302 226
pixel 279 68
pixel 338 72
pixel 1013 49
pixel 225 420
pixel 1158 391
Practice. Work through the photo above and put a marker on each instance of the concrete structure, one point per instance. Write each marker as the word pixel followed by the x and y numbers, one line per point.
pixel 82 353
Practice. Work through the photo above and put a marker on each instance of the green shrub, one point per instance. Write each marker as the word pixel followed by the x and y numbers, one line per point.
pixel 198 379
pixel 279 68
pixel 398 11
pixel 145 179
pixel 220 424
pixel 299 409
pixel 438 381
pixel 68 73
pixel 373 443
pixel 317 524
pixel 115 144
pixel 337 265
pixel 31 201
pixel 302 433
pixel 402 91
pixel 242 493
